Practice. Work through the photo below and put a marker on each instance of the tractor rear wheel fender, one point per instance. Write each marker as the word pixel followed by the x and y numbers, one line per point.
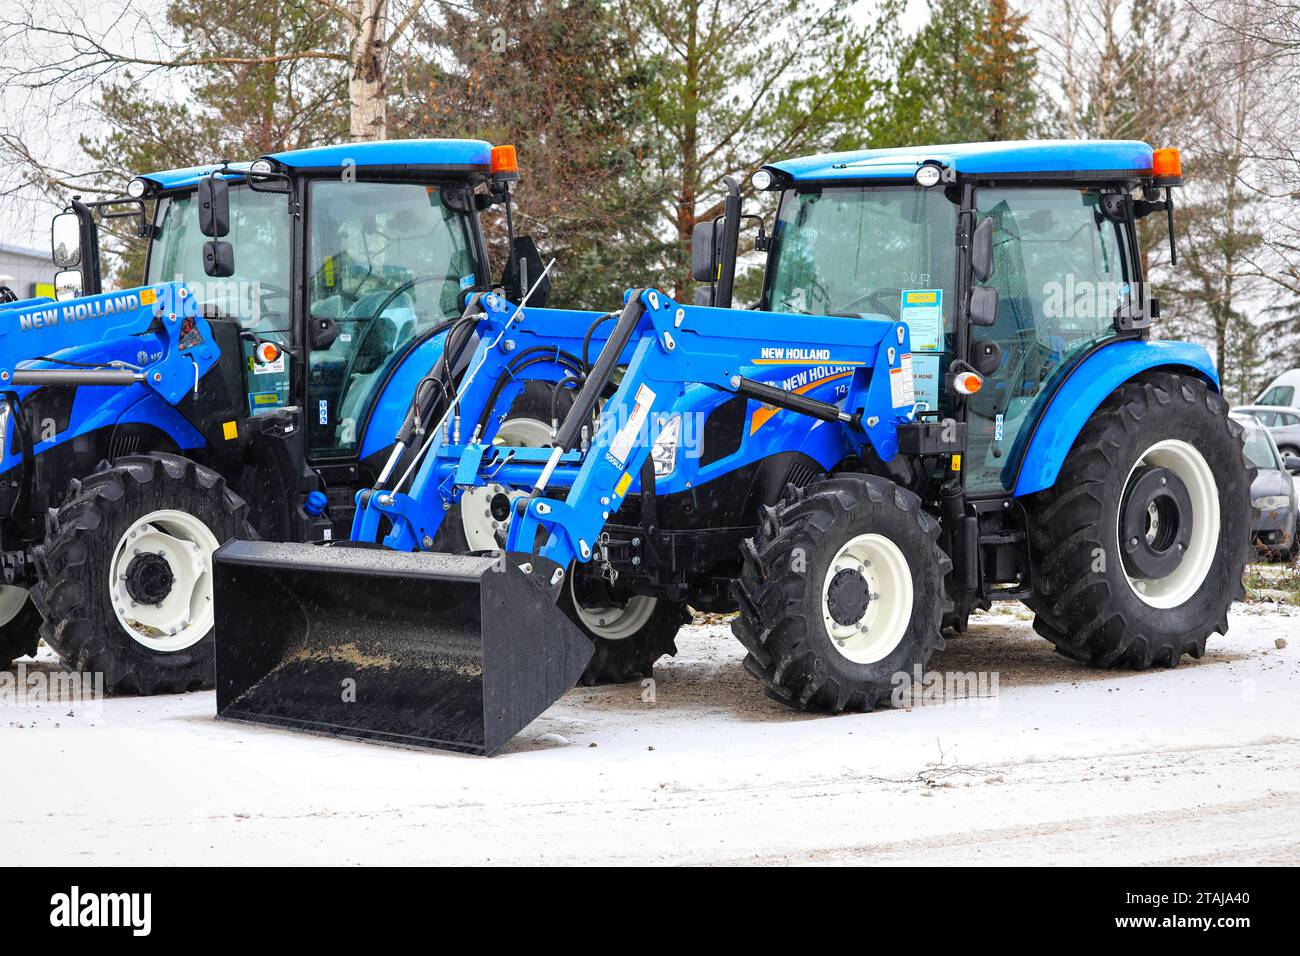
pixel 1091 383
pixel 1139 548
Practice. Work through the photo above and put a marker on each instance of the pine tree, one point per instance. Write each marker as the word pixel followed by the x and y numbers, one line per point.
pixel 967 76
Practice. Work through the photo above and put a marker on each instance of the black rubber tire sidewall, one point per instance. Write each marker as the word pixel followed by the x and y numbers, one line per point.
pixel 780 620
pixel 1094 614
pixel 80 622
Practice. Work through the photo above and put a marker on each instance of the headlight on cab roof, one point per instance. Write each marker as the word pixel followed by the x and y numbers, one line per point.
pixel 137 187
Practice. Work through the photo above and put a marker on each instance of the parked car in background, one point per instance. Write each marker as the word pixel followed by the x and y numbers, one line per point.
pixel 1282 423
pixel 1283 390
pixel 1273 493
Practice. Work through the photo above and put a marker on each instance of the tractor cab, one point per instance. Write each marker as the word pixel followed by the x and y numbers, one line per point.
pixel 1009 262
pixel 334 270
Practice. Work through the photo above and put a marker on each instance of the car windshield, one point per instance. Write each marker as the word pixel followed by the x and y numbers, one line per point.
pixel 1260 449
pixel 386 262
pixel 857 249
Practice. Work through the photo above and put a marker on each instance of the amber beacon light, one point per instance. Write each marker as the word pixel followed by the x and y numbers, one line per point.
pixel 505 164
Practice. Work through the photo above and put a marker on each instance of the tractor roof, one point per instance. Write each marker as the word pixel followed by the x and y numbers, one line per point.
pixel 1071 159
pixel 438 155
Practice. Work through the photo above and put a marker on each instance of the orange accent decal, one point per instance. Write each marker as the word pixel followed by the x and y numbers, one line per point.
pixel 765 413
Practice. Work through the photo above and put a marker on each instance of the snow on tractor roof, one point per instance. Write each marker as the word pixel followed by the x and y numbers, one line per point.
pixel 1054 159
pixel 440 155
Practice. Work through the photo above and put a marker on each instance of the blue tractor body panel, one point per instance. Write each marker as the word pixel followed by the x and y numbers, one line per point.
pixel 450 155
pixel 156 329
pixel 1067 159
pixel 1079 396
pixel 680 362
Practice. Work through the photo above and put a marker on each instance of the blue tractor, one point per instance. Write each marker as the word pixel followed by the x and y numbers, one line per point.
pixel 251 386
pixel 948 395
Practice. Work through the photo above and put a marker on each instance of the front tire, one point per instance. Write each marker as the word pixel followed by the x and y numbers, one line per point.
pixel 842 589
pixel 1140 545
pixel 126 576
pixel 630 632
pixel 20 624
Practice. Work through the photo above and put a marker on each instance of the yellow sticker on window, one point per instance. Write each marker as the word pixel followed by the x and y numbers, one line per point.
pixel 230 430
pixel 623 484
pixel 956 462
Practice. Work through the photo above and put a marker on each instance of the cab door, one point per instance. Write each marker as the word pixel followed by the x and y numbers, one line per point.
pixel 1062 270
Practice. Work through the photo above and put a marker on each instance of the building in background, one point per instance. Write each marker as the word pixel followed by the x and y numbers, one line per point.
pixel 28 272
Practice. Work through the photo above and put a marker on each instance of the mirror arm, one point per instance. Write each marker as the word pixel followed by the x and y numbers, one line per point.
pixel 91 282
pixel 730 244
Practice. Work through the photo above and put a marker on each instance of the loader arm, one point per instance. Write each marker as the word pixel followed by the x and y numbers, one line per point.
pixel 663 348
pixel 155 336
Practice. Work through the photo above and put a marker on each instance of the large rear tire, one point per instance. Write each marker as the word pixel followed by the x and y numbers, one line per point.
pixel 126 573
pixel 20 624
pixel 1140 545
pixel 842 589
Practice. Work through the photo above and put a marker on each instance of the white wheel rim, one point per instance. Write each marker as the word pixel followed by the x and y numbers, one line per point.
pixel 1192 469
pixel 482 531
pixel 184 616
pixel 614 622
pixel 12 599
pixel 882 626
pixel 524 433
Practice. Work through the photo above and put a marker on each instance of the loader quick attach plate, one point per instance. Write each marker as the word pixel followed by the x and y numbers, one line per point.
pixel 425 650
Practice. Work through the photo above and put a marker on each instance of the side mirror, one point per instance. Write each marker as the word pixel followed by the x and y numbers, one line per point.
pixel 704 253
pixel 1292 464
pixel 981 251
pixel 324 331
pixel 522 270
pixel 65 240
pixel 983 305
pixel 214 207
pixel 67 284
pixel 218 259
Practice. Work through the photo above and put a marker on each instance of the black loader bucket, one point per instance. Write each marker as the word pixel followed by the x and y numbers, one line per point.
pixel 426 650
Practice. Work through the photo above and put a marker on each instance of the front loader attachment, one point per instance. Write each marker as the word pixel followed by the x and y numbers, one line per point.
pixel 427 650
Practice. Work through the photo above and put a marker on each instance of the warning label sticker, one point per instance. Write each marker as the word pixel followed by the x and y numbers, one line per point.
pixel 902 387
pixel 625 440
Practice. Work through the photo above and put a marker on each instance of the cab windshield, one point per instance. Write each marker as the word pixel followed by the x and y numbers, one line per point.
pixel 386 262
pixel 856 250
pixel 258 293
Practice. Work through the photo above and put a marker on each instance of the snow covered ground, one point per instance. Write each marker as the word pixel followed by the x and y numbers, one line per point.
pixel 1066 765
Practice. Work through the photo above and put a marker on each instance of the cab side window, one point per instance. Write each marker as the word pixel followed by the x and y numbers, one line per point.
pixel 1062 271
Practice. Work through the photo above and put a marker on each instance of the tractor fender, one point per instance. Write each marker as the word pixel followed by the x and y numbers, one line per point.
pixel 1087 386
pixel 150 410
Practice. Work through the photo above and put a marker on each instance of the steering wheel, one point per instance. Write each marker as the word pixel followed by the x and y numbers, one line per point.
pixel 371 324
pixel 871 297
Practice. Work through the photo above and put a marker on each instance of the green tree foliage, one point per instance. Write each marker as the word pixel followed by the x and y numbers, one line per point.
pixel 735 85
pixel 556 80
pixel 967 76
pixel 243 104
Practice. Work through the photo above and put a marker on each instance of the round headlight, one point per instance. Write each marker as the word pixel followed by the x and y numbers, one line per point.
pixel 927 175
pixel 761 179
pixel 137 188
pixel 262 166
